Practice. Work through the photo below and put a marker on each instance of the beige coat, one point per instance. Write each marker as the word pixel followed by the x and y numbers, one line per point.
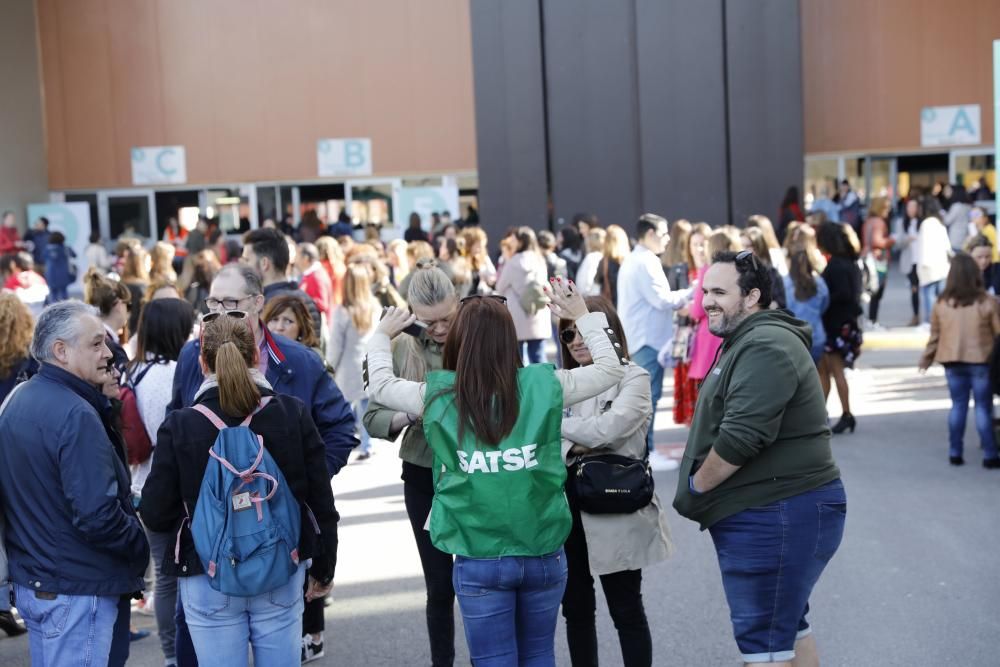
pixel 616 422
pixel 962 335
pixel 514 277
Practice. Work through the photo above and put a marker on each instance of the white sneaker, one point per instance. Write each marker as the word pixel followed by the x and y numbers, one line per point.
pixel 660 463
pixel 311 650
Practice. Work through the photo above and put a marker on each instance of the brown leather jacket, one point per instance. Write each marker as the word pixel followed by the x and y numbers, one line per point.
pixel 962 334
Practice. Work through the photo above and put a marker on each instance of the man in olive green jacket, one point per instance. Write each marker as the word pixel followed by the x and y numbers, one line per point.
pixel 757 471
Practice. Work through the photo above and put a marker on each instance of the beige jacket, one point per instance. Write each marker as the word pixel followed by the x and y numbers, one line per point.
pixel 963 334
pixel 514 277
pixel 616 422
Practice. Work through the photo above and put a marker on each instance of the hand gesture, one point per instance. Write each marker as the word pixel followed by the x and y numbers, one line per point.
pixel 566 302
pixel 394 321
pixel 317 590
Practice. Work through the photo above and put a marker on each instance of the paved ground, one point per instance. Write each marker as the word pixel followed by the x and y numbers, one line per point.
pixel 915 581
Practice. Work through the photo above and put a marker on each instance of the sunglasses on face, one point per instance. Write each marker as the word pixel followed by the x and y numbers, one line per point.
pixel 742 258
pixel 567 336
pixel 501 299
pixel 211 317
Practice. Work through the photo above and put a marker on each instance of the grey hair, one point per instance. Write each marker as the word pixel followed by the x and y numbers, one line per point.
pixel 252 280
pixel 429 286
pixel 60 321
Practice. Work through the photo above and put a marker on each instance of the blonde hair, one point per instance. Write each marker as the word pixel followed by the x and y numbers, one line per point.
pixel 418 250
pixel 595 240
pixel 429 286
pixel 329 250
pixel 162 262
pixel 15 319
pixel 397 248
pixel 134 264
pixel 475 236
pixel 616 243
pixel 229 351
pixel 358 299
pixel 763 223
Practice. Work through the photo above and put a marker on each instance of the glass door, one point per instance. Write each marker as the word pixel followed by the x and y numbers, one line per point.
pixel 128 214
pixel 373 202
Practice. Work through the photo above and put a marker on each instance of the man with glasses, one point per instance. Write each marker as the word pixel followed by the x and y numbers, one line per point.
pixel 646 307
pixel 758 472
pixel 290 367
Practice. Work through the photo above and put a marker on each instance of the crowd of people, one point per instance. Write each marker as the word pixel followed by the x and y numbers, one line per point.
pixel 176 432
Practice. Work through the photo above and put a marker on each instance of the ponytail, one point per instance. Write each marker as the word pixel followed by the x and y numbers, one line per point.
pixel 238 393
pixel 229 351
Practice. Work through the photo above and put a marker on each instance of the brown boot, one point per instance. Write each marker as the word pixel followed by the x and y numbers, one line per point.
pixel 914 322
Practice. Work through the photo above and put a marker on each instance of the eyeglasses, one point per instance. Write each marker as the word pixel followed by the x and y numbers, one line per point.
pixel 226 304
pixel 567 336
pixel 741 258
pixel 501 299
pixel 211 317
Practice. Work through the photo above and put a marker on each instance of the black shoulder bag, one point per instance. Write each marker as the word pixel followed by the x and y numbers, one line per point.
pixel 611 483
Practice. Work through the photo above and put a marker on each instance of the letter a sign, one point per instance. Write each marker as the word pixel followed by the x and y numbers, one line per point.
pixel 344 157
pixel 950 126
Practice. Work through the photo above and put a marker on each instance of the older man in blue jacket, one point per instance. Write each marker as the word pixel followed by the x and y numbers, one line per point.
pixel 77 550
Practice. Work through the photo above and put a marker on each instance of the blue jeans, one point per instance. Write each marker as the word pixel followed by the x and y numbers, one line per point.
pixel 963 378
pixel 929 294
pixel 646 357
pixel 4 597
pixel 69 630
pixel 771 556
pixel 222 626
pixel 359 406
pixel 533 351
pixel 164 591
pixel 510 606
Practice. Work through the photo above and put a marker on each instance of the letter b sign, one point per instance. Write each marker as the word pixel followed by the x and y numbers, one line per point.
pixel 344 157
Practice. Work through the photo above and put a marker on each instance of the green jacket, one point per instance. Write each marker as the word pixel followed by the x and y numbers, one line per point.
pixel 377 418
pixel 761 408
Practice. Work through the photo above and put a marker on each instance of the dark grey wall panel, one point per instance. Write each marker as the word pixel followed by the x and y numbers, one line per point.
pixel 592 108
pixel 510 119
pixel 764 61
pixel 682 111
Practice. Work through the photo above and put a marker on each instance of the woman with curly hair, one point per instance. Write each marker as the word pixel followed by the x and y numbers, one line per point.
pixel 15 359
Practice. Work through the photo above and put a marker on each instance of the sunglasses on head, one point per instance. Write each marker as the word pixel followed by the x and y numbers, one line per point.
pixel 501 299
pixel 742 257
pixel 211 317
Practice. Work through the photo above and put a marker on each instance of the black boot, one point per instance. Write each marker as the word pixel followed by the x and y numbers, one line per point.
pixel 847 421
pixel 9 625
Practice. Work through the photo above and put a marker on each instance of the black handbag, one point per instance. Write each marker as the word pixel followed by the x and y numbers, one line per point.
pixel 611 484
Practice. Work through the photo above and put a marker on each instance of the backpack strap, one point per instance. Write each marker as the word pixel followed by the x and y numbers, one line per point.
pixel 217 420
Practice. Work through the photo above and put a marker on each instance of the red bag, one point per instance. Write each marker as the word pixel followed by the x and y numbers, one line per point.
pixel 137 443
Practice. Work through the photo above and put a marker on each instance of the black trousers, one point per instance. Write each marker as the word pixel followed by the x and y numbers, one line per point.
pixel 876 298
pixel 914 291
pixel 623 591
pixel 313 621
pixel 418 492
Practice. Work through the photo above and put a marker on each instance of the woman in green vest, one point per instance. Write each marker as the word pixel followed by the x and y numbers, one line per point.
pixel 494 429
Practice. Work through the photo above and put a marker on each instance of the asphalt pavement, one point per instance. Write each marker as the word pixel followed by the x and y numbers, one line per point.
pixel 915 581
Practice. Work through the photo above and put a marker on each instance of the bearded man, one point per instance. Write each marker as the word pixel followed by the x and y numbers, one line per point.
pixel 758 473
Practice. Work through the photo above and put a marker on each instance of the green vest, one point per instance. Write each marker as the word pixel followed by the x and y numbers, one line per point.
pixel 507 500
